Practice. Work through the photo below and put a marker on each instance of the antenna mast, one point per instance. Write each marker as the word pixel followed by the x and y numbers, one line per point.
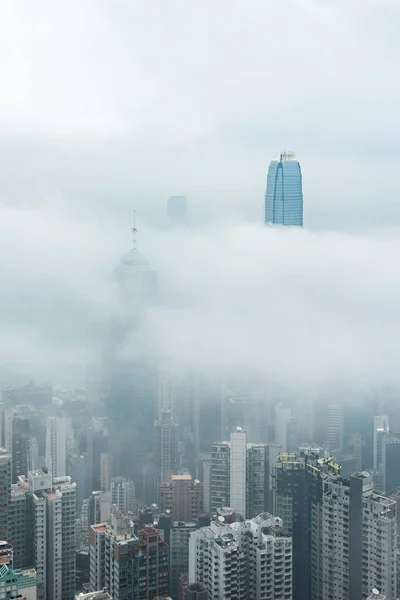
pixel 134 230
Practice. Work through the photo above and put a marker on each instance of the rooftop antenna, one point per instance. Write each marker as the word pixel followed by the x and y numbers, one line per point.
pixel 134 230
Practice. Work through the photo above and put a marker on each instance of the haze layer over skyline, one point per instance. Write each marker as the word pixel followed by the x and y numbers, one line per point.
pixel 109 110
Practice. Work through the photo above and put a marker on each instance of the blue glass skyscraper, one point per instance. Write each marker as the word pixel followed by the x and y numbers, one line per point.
pixel 284 194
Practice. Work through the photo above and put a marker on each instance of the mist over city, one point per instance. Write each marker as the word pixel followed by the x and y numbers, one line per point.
pixel 199 309
pixel 310 308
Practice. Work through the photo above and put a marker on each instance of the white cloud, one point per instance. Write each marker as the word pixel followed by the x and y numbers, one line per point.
pixel 312 310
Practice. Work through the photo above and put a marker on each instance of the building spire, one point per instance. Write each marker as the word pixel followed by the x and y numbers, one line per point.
pixel 134 230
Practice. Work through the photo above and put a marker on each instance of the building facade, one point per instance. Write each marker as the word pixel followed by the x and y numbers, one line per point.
pixel 131 567
pixel 17 583
pixel 250 560
pixel 123 497
pixel 179 536
pixel 381 432
pixel 165 448
pixel 391 464
pixel 21 446
pixel 182 497
pixel 238 471
pixel 42 530
pixel 5 491
pixel 58 430
pixel 240 480
pixel 344 533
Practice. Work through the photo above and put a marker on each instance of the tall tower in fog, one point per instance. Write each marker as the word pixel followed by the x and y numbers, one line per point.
pixel 165 448
pixel 284 194
pixel 137 281
pixel 131 401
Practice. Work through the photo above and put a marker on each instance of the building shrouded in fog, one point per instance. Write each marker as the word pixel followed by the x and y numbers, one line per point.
pixel 165 448
pixel 131 400
pixel 123 494
pixel 381 432
pixel 137 279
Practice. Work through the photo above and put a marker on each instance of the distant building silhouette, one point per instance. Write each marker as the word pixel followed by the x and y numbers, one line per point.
pixel 177 209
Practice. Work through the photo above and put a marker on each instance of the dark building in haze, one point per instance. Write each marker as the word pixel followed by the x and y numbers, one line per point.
pixel 21 446
pixel 5 492
pixel 391 465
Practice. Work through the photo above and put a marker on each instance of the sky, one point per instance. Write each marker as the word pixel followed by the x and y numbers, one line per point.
pixel 109 107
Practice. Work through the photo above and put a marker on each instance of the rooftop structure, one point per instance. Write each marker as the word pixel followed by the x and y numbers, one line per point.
pixel 17 583
pixel 104 595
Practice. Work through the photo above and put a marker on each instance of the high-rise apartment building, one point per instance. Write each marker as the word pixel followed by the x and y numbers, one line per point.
pixel 129 566
pixel 182 496
pixel 295 491
pixel 240 479
pixel 6 422
pixel 344 534
pixel 42 530
pixel 381 432
pixel 258 464
pixel 247 560
pixel 358 539
pixel 58 430
pixel 153 564
pixel 94 444
pixel 179 536
pixel 5 492
pixel 284 194
pixel 113 551
pixel 18 526
pixel 165 448
pixel 335 428
pixel 238 471
pixel 123 497
pixel 391 464
pixel 21 446
pixel 282 419
pixel 106 462
pixel 219 475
